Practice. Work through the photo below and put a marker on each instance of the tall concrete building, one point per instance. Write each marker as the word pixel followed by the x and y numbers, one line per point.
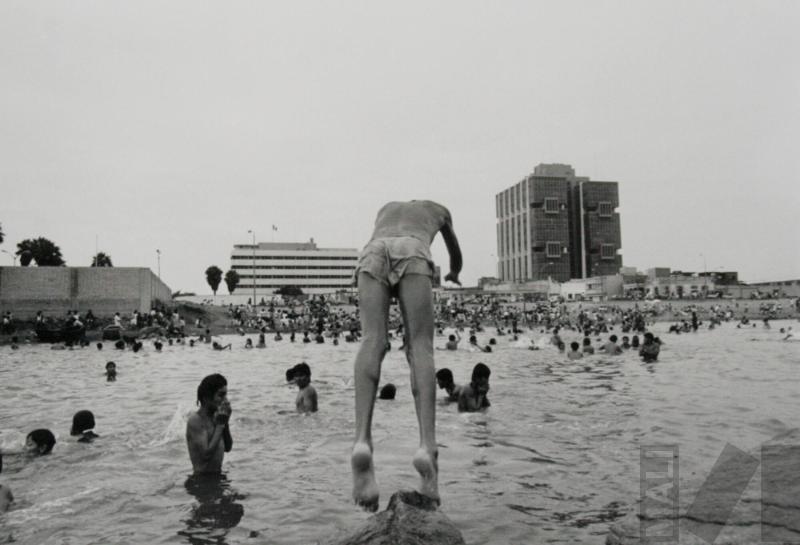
pixel 272 265
pixel 558 225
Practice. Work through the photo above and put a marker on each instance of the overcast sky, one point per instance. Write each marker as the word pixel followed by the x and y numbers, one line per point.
pixel 180 125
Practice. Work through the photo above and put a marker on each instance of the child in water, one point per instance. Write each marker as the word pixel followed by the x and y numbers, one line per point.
pixel 306 401
pixel 40 442
pixel 111 371
pixel 445 381
pixel 472 397
pixel 83 425
pixel 575 352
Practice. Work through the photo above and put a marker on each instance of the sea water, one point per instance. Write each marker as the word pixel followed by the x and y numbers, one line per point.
pixel 555 459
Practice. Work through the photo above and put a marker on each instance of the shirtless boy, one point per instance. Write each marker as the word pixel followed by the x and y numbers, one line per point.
pixel 445 381
pixel 208 436
pixel 306 401
pixel 397 262
pixel 472 397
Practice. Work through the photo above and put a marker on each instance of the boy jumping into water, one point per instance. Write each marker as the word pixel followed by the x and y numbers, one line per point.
pixel 397 262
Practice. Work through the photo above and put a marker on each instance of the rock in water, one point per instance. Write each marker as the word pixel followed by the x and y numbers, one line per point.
pixel 747 498
pixel 410 519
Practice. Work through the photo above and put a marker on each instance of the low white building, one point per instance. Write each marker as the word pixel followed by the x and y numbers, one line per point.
pixel 274 265
pixel 594 288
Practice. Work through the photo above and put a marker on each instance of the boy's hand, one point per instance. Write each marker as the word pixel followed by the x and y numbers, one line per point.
pixel 452 277
pixel 223 413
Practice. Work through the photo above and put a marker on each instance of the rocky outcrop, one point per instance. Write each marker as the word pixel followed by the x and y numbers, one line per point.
pixel 410 519
pixel 746 498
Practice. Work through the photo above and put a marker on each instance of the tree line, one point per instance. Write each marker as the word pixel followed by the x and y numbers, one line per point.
pixel 45 253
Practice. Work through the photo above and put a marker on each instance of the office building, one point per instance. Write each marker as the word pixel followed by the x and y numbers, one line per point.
pixel 273 265
pixel 553 224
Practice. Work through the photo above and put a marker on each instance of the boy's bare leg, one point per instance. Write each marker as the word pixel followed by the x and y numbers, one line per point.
pixel 374 310
pixel 416 303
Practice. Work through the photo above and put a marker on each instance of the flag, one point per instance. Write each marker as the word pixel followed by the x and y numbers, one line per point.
pixel 274 228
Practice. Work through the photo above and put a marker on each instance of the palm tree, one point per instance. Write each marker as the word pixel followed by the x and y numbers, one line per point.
pixel 40 250
pixel 214 277
pixel 102 259
pixel 232 280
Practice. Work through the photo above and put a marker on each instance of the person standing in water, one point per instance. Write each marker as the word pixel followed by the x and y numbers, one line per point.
pixel 397 262
pixel 208 436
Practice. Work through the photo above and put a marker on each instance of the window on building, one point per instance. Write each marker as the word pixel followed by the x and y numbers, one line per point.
pixel 553 249
pixel 551 205
pixel 607 251
pixel 513 234
pixel 605 209
pixel 505 200
pixel 525 234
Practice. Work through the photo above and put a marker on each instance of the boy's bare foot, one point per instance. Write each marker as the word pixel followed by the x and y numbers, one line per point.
pixel 428 468
pixel 365 488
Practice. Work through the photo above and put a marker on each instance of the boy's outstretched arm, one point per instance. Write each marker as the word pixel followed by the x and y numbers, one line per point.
pixel 453 249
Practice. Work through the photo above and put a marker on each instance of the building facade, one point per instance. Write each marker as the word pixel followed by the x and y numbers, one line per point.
pixel 269 266
pixel 104 290
pixel 553 224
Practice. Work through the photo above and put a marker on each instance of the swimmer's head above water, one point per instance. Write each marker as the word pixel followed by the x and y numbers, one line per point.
pixel 40 442
pixel 82 422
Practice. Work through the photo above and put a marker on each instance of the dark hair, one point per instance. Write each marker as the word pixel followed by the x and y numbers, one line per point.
pixel 388 391
pixel 209 386
pixel 290 374
pixel 480 370
pixel 649 336
pixel 587 341
pixel 81 422
pixel 302 369
pixel 574 345
pixel 111 363
pixel 44 440
pixel 613 338
pixel 451 338
pixel 445 375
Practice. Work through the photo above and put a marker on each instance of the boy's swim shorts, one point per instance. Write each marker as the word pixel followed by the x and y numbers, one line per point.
pixel 387 260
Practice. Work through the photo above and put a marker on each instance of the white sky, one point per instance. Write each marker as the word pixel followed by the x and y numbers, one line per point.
pixel 180 125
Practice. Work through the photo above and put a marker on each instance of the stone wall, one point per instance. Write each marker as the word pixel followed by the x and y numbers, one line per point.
pixel 54 290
